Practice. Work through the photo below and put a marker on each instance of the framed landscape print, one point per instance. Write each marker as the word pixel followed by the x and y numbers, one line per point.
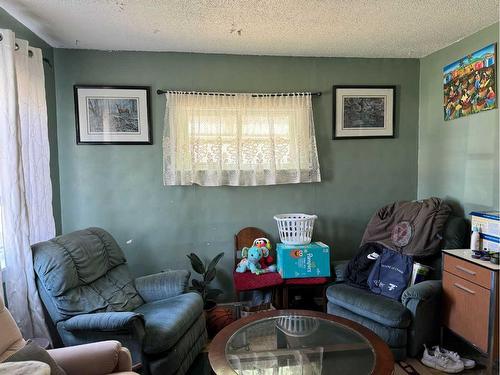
pixel 112 115
pixel 469 84
pixel 363 111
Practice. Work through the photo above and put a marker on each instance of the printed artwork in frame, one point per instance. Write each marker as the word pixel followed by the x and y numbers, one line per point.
pixel 469 84
pixel 363 111
pixel 113 115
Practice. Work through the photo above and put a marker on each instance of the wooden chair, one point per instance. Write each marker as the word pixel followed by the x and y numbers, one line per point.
pixel 249 281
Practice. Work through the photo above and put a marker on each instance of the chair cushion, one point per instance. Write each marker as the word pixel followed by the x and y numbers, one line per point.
pixel 394 337
pixel 84 272
pixel 11 339
pixel 250 281
pixel 75 259
pixel 383 310
pixel 33 352
pixel 166 321
pixel 307 281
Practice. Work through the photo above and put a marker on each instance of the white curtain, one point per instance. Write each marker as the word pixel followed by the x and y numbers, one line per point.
pixel 214 139
pixel 25 186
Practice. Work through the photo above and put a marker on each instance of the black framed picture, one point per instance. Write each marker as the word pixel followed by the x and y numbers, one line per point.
pixel 113 115
pixel 363 111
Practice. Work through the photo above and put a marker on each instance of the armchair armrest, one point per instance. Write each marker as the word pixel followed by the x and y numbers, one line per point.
pixel 424 302
pixel 98 358
pixel 421 291
pixel 108 321
pixel 162 285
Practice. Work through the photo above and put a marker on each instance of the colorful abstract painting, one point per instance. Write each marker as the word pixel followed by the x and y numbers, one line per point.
pixel 470 84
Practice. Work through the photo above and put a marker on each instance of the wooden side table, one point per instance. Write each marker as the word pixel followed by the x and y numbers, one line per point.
pixel 470 300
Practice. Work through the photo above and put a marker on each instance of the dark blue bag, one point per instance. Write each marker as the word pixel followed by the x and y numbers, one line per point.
pixel 390 274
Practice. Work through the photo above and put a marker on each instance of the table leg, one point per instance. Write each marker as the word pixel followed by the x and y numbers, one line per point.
pixel 281 343
pixel 285 297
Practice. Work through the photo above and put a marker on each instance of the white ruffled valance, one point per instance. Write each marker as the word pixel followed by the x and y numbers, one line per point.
pixel 214 139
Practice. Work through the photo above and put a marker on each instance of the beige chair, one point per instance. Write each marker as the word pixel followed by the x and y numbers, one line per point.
pixel 100 358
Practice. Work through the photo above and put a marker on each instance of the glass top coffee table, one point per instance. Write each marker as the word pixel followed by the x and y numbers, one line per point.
pixel 298 342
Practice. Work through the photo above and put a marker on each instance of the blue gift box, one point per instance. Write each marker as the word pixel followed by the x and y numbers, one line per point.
pixel 301 261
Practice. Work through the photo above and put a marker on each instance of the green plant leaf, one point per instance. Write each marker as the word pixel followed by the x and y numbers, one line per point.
pixel 210 275
pixel 198 285
pixel 196 263
pixel 214 261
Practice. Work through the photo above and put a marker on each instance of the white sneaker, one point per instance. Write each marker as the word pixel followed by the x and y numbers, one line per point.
pixel 468 363
pixel 437 360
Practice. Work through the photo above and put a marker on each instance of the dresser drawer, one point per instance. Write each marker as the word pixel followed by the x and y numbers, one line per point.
pixel 466 309
pixel 468 271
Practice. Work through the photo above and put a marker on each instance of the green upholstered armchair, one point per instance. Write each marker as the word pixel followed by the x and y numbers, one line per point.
pixel 86 287
pixel 404 325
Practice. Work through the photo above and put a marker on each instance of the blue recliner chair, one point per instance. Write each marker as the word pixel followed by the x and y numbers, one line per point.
pixel 407 324
pixel 85 285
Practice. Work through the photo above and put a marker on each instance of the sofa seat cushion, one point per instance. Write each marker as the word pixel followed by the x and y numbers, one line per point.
pixel 394 337
pixel 166 321
pixel 381 309
pixel 250 281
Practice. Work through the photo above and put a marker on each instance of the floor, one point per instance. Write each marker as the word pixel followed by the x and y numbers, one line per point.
pixel 423 370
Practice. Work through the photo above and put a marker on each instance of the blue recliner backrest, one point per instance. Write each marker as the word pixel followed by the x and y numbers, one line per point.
pixel 83 272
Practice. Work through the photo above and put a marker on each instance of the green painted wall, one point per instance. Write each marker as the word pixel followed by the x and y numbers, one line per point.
pixel 120 187
pixel 22 32
pixel 457 160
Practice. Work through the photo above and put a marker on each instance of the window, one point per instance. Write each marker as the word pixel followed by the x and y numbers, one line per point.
pixel 239 139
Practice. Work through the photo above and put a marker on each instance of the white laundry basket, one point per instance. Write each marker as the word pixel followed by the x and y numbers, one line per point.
pixel 295 229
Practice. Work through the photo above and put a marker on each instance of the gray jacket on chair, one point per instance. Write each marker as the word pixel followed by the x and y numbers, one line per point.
pixel 86 287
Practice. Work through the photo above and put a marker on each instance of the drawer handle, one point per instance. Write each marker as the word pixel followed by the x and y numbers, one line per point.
pixel 465 270
pixel 464 288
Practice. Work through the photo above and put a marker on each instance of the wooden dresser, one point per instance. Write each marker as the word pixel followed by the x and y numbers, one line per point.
pixel 470 303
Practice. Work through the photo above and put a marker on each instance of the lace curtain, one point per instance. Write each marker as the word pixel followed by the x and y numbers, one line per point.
pixel 239 139
pixel 25 186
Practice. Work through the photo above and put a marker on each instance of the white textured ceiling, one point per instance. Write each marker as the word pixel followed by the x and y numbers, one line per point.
pixel 355 28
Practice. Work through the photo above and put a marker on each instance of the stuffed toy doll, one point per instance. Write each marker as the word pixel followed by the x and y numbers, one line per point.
pixel 256 259
pixel 266 262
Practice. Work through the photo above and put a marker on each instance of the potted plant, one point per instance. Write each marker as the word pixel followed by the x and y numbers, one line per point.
pixel 208 273
pixel 213 315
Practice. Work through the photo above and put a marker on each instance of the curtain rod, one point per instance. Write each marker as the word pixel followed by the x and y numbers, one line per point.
pixel 160 92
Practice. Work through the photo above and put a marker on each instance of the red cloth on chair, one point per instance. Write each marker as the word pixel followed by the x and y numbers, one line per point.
pixel 250 281
pixel 307 281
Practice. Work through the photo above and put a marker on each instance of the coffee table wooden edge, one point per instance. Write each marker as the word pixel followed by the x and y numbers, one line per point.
pixel 384 360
